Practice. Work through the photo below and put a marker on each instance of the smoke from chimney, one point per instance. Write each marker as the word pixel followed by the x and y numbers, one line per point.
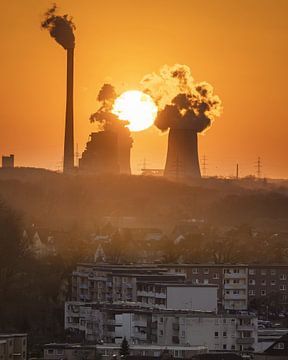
pixel 109 122
pixel 61 29
pixel 185 109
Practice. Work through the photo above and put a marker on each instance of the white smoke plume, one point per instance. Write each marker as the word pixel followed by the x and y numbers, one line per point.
pixel 182 102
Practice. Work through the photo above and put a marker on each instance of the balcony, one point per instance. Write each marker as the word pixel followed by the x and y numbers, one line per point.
pixel 140 323
pixel 241 275
pixel 160 295
pixel 235 286
pixel 228 297
pixel 245 341
pixel 245 327
pixel 83 286
pixel 145 293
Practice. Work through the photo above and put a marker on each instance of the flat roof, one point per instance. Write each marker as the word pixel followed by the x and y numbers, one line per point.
pixel 12 335
pixel 171 284
pixel 117 346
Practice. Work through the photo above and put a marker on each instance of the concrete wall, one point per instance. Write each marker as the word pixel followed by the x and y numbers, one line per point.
pixel 192 298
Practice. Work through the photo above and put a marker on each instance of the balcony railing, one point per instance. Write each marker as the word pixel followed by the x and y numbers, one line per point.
pixel 245 341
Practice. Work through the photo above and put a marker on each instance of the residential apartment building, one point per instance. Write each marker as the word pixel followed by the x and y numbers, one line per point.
pixel 267 279
pixel 55 351
pixel 238 284
pixel 13 346
pixel 112 283
pixel 110 324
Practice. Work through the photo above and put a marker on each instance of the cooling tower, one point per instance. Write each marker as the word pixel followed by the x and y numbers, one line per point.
pixel 69 121
pixel 182 161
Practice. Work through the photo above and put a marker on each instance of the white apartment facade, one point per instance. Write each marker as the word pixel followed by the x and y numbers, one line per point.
pixel 235 288
pixel 237 332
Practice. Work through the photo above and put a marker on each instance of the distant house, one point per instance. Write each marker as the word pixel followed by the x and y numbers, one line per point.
pixel 278 350
pixel 13 346
pixel 41 242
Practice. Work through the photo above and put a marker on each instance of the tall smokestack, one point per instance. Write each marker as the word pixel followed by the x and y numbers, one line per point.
pixel 68 164
pixel 61 29
pixel 186 108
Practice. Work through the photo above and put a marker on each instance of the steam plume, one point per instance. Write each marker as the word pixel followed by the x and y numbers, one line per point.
pixel 104 116
pixel 185 108
pixel 60 28
pixel 182 103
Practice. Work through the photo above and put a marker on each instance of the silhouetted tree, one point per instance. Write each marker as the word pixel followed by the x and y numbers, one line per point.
pixel 124 350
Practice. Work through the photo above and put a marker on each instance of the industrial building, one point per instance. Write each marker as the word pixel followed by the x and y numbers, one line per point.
pixel 8 161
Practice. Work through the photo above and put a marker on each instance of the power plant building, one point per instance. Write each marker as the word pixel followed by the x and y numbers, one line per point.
pixel 107 152
pixel 8 161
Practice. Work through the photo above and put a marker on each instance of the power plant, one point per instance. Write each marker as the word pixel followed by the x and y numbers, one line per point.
pixel 182 160
pixel 61 29
pixel 107 152
pixel 186 108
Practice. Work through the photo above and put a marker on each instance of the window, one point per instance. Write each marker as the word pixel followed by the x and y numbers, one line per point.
pixel 206 281
pixel 206 271
pixel 236 271
pixel 236 281
pixel 183 333
pixel 236 292
pixel 251 292
pixel 251 271
pixel 224 346
pixel 161 332
pixel 282 287
pixel 273 272
pixel 59 351
pixel 50 351
pixel 263 282
pixel 279 346
pixel 232 347
pixel 216 334
pixel 194 271
pixel 224 334
pixel 283 277
pixel 273 282
pixel 284 298
pixel 251 282
pixel 263 272
pixel 215 276
pixel 263 292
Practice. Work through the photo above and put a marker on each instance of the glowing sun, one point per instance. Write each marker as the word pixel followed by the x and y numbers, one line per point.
pixel 136 107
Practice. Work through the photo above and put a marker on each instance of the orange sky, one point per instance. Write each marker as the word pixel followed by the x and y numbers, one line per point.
pixel 239 46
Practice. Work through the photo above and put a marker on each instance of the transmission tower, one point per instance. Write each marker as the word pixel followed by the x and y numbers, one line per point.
pixel 258 167
pixel 204 165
